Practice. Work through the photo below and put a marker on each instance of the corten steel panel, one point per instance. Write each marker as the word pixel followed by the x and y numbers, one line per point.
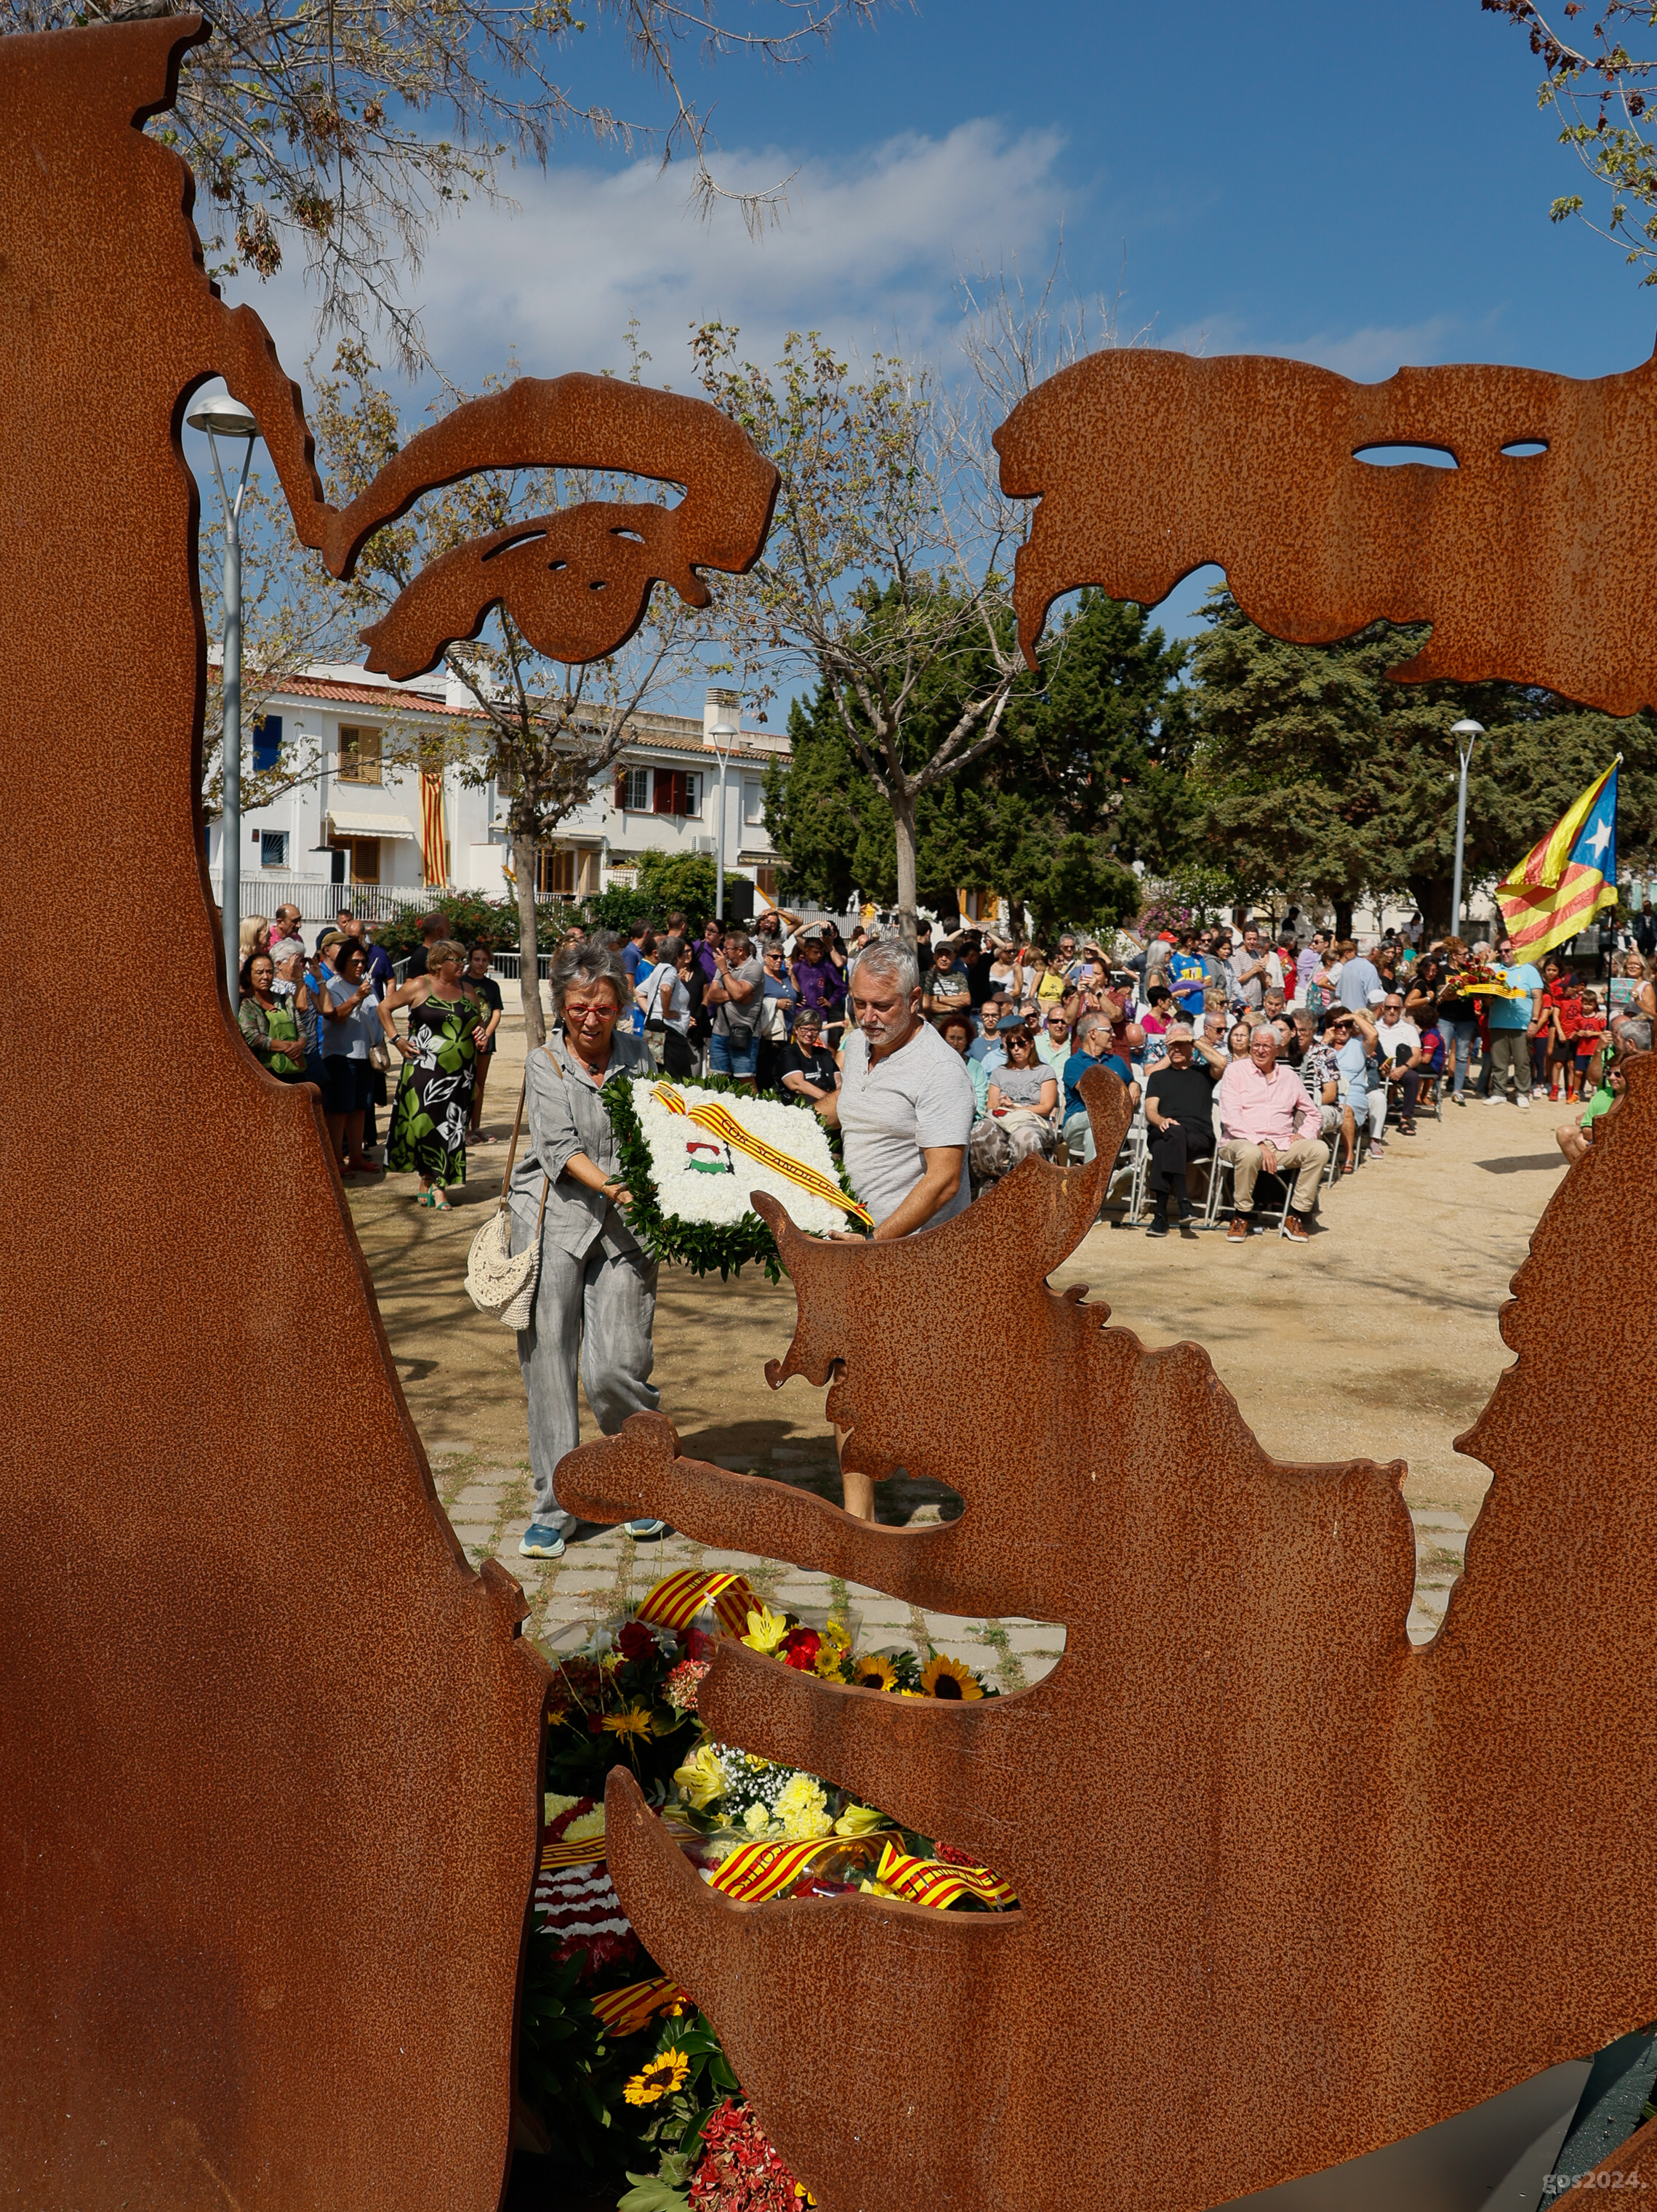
pixel 1540 569
pixel 268 1746
pixel 1290 1888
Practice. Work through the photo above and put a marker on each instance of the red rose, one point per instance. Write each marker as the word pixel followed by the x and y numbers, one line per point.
pixel 800 1649
pixel 635 1641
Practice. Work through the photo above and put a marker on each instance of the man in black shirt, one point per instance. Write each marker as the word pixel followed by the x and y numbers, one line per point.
pixel 434 927
pixel 1180 1124
pixel 976 959
pixel 808 1068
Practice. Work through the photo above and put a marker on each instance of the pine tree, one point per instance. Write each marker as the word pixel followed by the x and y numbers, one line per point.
pixel 1090 776
pixel 1319 775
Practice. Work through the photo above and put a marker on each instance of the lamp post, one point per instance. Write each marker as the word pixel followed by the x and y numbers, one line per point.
pixel 729 732
pixel 1471 731
pixel 227 418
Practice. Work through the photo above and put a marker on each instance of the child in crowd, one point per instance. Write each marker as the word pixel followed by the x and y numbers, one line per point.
pixel 1589 1040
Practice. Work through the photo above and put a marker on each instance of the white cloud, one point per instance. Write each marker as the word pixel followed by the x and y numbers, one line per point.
pixel 1368 356
pixel 867 250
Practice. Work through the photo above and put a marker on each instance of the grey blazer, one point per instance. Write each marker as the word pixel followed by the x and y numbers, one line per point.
pixel 566 1115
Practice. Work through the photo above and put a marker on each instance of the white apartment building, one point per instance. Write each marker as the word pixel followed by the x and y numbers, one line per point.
pixel 388 834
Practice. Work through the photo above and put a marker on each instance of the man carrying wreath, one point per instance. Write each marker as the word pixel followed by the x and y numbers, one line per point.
pixel 904 1108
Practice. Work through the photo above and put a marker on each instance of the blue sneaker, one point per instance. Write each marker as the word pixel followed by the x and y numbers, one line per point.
pixel 641 1531
pixel 541 1540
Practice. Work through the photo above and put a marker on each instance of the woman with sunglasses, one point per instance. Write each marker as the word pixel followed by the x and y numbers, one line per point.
pixel 430 1116
pixel 1574 1137
pixel 782 1001
pixel 1023 1094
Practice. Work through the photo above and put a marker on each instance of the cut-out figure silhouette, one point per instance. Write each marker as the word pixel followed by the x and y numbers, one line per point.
pixel 268 1746
pixel 1290 1888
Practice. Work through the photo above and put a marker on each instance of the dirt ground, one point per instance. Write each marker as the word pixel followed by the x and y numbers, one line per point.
pixel 1378 1339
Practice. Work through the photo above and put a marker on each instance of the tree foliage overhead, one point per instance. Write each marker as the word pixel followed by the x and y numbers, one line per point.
pixel 1597 88
pixel 349 133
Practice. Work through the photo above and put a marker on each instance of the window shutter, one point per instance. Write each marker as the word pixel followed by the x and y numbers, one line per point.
pixel 621 788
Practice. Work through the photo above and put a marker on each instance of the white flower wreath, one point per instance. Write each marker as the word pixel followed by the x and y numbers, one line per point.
pixel 700 1180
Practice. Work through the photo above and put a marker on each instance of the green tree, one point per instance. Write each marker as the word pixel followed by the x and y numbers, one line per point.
pixel 674 880
pixel 1319 775
pixel 1089 776
pixel 887 573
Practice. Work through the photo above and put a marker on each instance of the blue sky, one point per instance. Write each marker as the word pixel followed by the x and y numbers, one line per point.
pixel 1358 186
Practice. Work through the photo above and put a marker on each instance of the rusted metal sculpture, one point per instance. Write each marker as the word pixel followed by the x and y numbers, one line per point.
pixel 268 1746
pixel 1290 1887
pixel 1538 567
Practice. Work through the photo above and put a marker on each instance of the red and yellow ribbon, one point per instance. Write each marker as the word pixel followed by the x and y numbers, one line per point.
pixel 675 1602
pixel 724 1125
pixel 755 1872
pixel 624 2012
pixel 936 1883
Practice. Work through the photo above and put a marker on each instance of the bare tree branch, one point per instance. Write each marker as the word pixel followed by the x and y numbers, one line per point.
pixel 348 131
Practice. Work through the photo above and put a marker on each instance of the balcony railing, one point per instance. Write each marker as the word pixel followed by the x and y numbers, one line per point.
pixel 321 902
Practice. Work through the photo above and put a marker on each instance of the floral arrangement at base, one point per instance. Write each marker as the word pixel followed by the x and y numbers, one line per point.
pixel 627 2074
pixel 690 1180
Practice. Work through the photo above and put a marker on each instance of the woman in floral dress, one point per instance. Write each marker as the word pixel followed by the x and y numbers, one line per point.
pixel 448 1023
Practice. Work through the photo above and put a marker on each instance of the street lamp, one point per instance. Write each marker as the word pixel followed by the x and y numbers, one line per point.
pixel 1471 731
pixel 730 733
pixel 227 418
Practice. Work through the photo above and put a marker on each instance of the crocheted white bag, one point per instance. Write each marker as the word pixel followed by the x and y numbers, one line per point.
pixel 499 1280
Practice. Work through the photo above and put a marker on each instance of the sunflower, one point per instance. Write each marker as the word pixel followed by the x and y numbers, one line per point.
pixel 666 2072
pixel 874 1671
pixel 947 1678
pixel 635 1722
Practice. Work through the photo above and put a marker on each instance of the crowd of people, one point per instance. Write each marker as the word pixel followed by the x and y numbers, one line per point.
pixel 1268 1067
pixel 1292 1056
pixel 328 1016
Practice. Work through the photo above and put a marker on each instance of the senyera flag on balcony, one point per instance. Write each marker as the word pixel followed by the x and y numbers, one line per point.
pixel 433 841
pixel 1561 883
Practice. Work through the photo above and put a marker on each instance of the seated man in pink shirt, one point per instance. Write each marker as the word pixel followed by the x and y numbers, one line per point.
pixel 1262 1107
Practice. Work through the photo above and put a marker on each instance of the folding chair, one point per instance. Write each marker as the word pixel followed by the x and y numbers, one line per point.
pixel 1129 1165
pixel 1219 1170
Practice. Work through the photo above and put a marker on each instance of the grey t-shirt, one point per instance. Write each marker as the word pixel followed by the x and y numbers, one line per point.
pixel 1251 992
pixel 744 1015
pixel 1021 1086
pixel 915 1098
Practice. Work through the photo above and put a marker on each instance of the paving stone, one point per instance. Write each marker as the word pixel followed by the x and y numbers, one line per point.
pixel 1023 1640
pixel 1449 1521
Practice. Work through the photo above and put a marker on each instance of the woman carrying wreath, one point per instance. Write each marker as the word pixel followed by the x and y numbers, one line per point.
pixel 595 1295
pixel 447 1025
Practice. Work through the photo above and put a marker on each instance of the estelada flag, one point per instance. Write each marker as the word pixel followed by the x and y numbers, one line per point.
pixel 1562 883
